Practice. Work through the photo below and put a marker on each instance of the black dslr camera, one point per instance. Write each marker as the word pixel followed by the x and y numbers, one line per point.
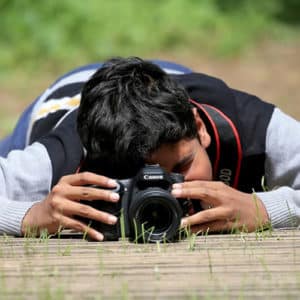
pixel 146 211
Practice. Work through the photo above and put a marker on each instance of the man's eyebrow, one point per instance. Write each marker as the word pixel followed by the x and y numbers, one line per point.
pixel 186 159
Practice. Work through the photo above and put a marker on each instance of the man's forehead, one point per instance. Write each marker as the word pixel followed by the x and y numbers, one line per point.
pixel 163 153
pixel 168 155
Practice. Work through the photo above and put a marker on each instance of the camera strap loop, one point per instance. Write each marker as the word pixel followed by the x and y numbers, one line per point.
pixel 225 151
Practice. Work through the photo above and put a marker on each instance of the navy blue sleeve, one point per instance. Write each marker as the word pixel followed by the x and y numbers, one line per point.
pixel 64 147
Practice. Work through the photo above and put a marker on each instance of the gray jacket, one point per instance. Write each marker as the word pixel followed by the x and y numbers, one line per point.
pixel 25 177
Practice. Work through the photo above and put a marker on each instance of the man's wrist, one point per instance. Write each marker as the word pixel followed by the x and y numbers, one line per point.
pixel 12 215
pixel 28 221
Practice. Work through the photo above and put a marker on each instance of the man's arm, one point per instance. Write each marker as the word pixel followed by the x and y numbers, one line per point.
pixel 25 177
pixel 27 202
pixel 231 209
pixel 226 208
pixel 61 206
pixel 282 201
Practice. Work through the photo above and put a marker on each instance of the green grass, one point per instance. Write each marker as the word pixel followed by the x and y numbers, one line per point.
pixel 42 39
pixel 65 33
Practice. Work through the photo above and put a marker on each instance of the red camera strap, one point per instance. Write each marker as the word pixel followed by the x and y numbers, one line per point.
pixel 225 151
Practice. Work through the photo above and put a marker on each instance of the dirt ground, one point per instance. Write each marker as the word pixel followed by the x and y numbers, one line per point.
pixel 272 72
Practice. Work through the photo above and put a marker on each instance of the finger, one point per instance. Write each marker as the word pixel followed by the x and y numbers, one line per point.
pixel 196 183
pixel 207 195
pixel 67 222
pixel 70 208
pixel 86 193
pixel 85 178
pixel 206 216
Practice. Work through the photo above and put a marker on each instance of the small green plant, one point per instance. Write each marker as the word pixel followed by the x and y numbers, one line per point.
pixel 158 247
pixel 144 234
pixel 44 239
pixel 157 273
pixel 135 231
pixel 192 242
pixel 122 225
pixel 263 184
pixel 84 237
pixel 59 231
pixel 125 291
pixel 265 267
pixel 29 241
pixel 31 232
pixel 191 237
pixel 235 228
pixel 206 234
pixel 44 235
pixel 181 234
pixel 209 263
pixel 66 251
pixel 48 292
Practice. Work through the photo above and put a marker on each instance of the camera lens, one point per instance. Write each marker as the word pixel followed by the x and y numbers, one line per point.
pixel 154 215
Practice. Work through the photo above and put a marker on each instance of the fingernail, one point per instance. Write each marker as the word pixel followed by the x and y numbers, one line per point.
pixel 111 183
pixel 183 223
pixel 176 192
pixel 114 196
pixel 177 186
pixel 112 220
pixel 99 236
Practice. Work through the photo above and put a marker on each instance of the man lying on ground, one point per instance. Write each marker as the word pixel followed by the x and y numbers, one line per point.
pixel 133 113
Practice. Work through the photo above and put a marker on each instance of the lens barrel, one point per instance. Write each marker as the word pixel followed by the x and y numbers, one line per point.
pixel 155 215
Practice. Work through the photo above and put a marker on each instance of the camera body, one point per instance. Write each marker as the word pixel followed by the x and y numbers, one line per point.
pixel 146 211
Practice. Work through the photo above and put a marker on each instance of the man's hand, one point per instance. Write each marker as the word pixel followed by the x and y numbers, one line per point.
pixel 58 209
pixel 227 208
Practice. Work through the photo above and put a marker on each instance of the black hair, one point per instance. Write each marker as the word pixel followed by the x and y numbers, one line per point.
pixel 128 109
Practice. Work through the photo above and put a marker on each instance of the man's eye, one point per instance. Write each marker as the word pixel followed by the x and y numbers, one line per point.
pixel 182 168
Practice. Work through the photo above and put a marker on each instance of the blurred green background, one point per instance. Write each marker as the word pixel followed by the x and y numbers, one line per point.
pixel 40 40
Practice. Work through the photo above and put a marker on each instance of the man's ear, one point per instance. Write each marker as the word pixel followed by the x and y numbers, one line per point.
pixel 204 136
